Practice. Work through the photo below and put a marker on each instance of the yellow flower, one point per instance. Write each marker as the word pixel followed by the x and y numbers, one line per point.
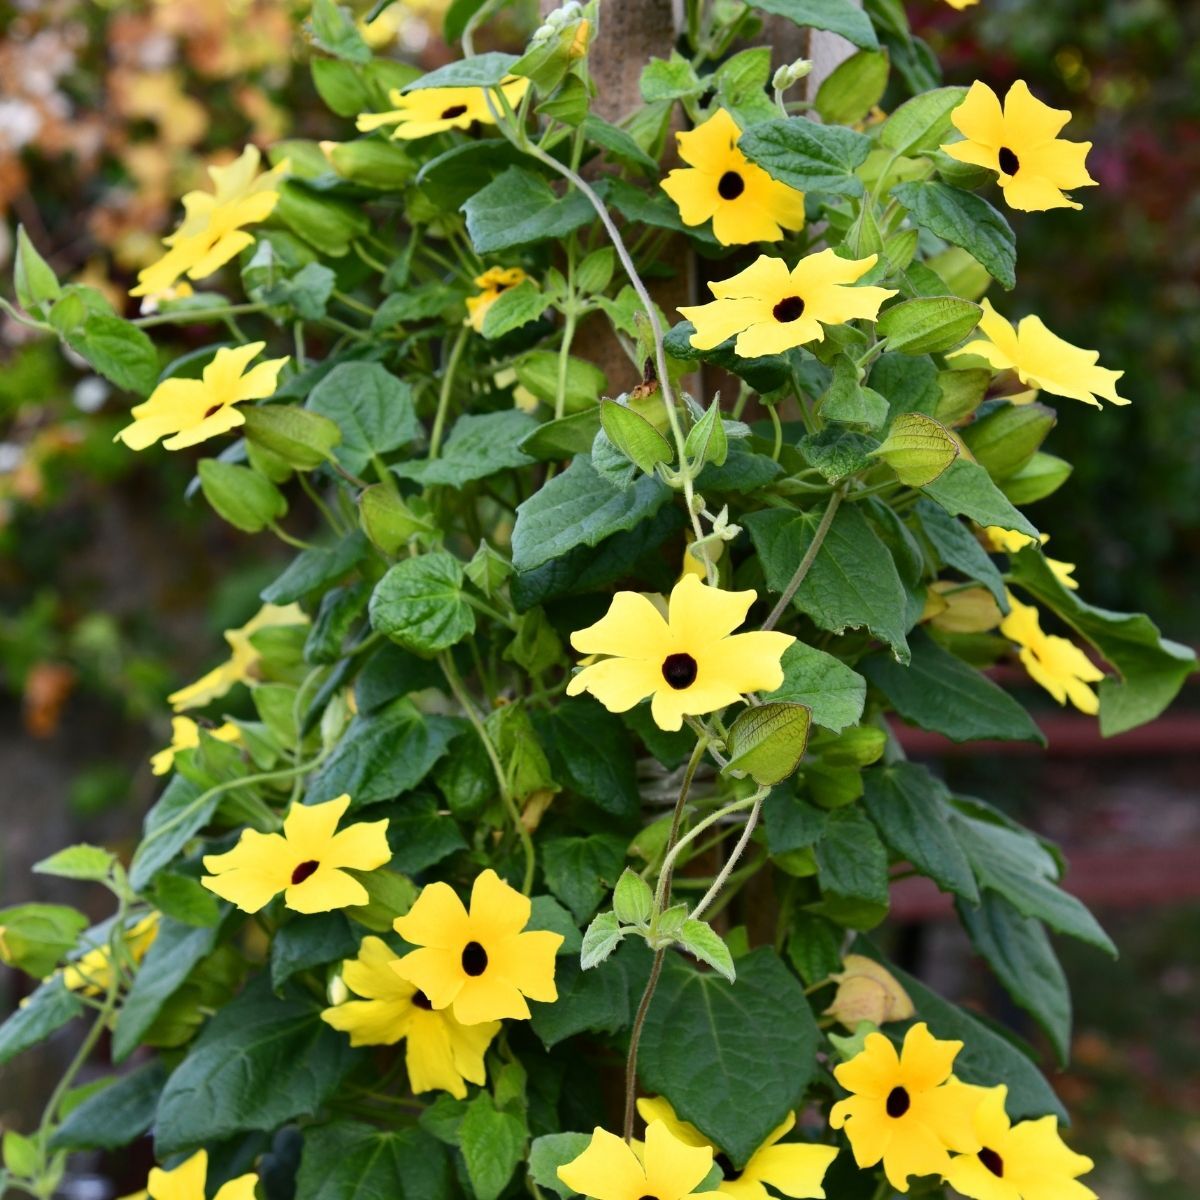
pixel 434 110
pixel 493 282
pixel 307 862
pixel 794 1168
pixel 906 1111
pixel 610 1169
pixel 187 1182
pixel 193 410
pixel 1053 662
pixel 868 991
pixel 439 1052
pixel 744 202
pixel 1027 1161
pixel 211 233
pixel 1020 142
pixel 91 973
pixel 1009 541
pixel 1042 359
pixel 961 4
pixel 481 962
pixel 185 735
pixel 688 663
pixel 772 309
pixel 242 664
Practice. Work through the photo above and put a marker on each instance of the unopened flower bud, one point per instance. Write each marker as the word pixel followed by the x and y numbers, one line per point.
pixel 867 991
pixel 791 73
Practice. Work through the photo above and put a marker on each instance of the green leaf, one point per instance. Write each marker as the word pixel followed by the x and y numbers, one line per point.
pixel 767 742
pixel 551 1151
pixel 240 495
pixel 670 79
pixel 941 693
pixel 547 913
pixel 966 488
pixel 965 220
pixel 585 382
pixel 1005 439
pixel 169 826
pixel 389 893
pixel 314 569
pixel 957 547
pixel 347 1158
pixel 325 222
pixel 1018 950
pixel 310 941
pixel 420 835
pixel 34 280
pixel 703 942
pixel 489 69
pixel 260 1062
pixel 479 445
pixel 852 870
pixel 600 939
pixel 121 352
pixel 21 1155
pixel 620 146
pixel 1152 668
pixel 590 751
pixel 333 30
pixel 922 123
pixel 384 754
pixel 836 16
pixel 846 400
pixel 928 324
pixel 807 156
pixel 78 862
pixel 581 871
pixel 513 308
pixel 706 1040
pixel 184 899
pixel 814 947
pixel 372 408
pixel 853 580
pixel 918 449
pixel 1015 864
pixel 853 88
pixel 1043 475
pixel 634 436
pixel 420 605
pixel 174 952
pixel 34 937
pixel 116 1115
pixel 791 823
pixel 911 810
pixel 633 900
pixel 707 441
pixel 492 1143
pixel 579 508
pixel 518 207
pixel 302 438
pixel 48 1009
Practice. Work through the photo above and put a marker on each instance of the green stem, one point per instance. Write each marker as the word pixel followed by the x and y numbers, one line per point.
pixel 738 850
pixel 192 316
pixel 807 561
pixel 439 420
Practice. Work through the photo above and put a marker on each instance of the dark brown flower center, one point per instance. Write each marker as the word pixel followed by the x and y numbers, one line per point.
pixel 1010 164
pixel 304 870
pixel 679 670
pixel 208 412
pixel 898 1102
pixel 730 186
pixel 790 308
pixel 420 1000
pixel 992 1161
pixel 647 1198
pixel 728 1170
pixel 455 110
pixel 474 959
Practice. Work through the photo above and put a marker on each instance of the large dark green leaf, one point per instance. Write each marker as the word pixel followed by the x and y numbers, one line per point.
pixel 835 16
pixel 373 409
pixel 116 1115
pixel 941 693
pixel 519 207
pixel 315 568
pixel 260 1062
pixel 48 1009
pixel 492 1143
pixel 310 941
pixel 852 869
pixel 348 1158
pixel 957 547
pixel 835 693
pixel 581 871
pixel 590 750
pixel 853 580
pixel 966 488
pixel 479 445
pixel 910 809
pixel 808 156
pixel 1152 668
pixel 596 1000
pixel 420 605
pixel 707 1042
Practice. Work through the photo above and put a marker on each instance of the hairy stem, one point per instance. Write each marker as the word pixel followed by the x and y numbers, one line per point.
pixel 738 850
pixel 810 556
pixel 439 420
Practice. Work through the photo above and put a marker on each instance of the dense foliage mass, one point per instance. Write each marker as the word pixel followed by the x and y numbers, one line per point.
pixel 572 760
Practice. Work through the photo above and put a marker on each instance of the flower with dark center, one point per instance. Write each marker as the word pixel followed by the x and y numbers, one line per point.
pixel 1009 163
pixel 426 111
pixel 609 1168
pixel 304 870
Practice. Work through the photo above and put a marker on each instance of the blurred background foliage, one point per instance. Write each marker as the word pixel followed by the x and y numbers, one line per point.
pixel 114 589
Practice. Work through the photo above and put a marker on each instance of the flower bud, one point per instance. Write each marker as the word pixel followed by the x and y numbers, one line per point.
pixel 867 991
pixel 791 73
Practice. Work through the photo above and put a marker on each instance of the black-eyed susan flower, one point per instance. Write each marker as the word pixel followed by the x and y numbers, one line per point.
pixel 213 228
pixel 91 973
pixel 187 1182
pixel 1011 541
pixel 1026 1161
pixel 1042 359
pixel 1020 142
pixel 242 664
pixel 611 1169
pixel 793 1168
pixel 906 1111
pixel 188 411
pixel 1053 662
pixel 773 309
pixel 744 202
pixel 185 735
pixel 492 284
pixel 308 862
pixel 689 663
pixel 440 1053
pixel 482 963
pixel 434 110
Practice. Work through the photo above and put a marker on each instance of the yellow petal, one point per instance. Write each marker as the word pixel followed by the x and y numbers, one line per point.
pixel 618 683
pixel 673 1168
pixel 184 1182
pixel 607 1170
pixel 435 971
pixel 699 614
pixel 632 628
pixel 326 889
pixel 796 1169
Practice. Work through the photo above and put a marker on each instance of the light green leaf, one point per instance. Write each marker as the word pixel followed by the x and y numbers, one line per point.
pixel 928 324
pixel 34 280
pixel 837 16
pixel 479 445
pixel 420 605
pixel 634 436
pixel 922 123
pixel 853 88
pixel 518 207
pixel 703 942
pixel 240 495
pixel 767 742
pixel 483 70
pixel 835 693
pixel 632 899
pixel 807 156
pixel 1043 475
pixel 78 862
pixel 966 489
pixel 302 438
pixel 707 441
pixel 918 449
pixel 372 409
pixel 513 308
pixel 600 939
